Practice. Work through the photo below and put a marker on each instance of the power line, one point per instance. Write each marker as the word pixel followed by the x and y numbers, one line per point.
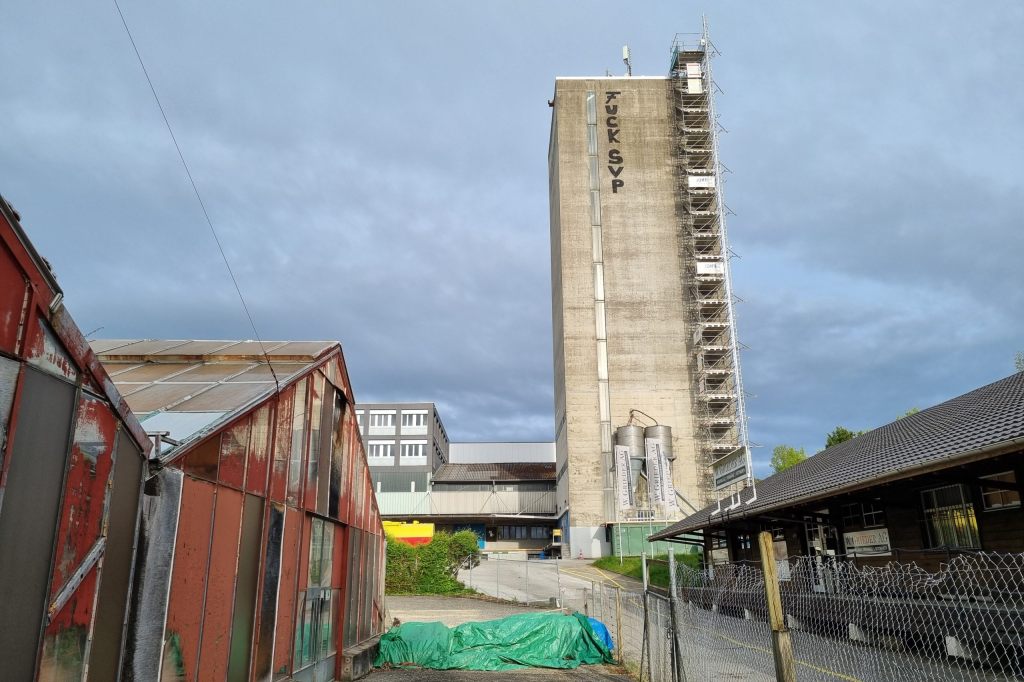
pixel 202 205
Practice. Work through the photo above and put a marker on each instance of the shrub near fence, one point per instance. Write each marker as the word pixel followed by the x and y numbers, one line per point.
pixel 430 568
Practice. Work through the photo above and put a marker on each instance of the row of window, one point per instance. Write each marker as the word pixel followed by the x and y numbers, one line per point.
pixel 523 532
pixel 387 449
pixel 388 419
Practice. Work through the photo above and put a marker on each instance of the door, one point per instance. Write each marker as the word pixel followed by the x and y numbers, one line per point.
pixel 818 535
pixel 317 612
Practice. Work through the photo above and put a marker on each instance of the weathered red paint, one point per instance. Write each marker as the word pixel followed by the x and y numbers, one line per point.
pixel 65 638
pixel 220 585
pixel 234 443
pixel 13 298
pixel 257 466
pixel 282 446
pixel 85 488
pixel 285 635
pixel 188 580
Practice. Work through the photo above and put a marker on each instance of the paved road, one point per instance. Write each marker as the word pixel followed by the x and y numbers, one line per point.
pixel 541 580
pixel 450 610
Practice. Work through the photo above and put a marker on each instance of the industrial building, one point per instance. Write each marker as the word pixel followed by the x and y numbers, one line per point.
pixel 503 492
pixel 404 442
pixel 642 306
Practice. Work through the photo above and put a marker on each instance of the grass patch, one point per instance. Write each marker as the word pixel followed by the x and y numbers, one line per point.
pixel 632 567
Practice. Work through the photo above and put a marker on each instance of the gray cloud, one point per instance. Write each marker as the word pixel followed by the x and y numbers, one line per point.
pixel 378 176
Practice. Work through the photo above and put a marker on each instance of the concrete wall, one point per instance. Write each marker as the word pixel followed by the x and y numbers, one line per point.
pixel 649 365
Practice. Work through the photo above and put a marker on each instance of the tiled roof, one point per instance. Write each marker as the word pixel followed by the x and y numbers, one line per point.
pixel 504 471
pixel 983 419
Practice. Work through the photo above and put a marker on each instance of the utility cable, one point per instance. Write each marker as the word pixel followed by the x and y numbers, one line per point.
pixel 202 204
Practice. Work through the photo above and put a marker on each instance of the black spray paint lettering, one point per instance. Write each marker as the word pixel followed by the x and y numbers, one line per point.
pixel 615 162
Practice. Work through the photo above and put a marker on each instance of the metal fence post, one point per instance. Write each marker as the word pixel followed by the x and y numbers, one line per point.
pixel 527 578
pixel 497 573
pixel 646 641
pixel 678 672
pixel 782 645
pixel 618 624
pixel 558 586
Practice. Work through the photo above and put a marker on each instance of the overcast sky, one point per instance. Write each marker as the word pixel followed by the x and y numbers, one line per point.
pixel 377 172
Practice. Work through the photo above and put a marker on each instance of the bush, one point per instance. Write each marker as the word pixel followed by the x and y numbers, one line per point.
pixel 431 568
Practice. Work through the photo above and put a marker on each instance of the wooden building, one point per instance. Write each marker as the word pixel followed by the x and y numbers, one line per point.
pixel 943 481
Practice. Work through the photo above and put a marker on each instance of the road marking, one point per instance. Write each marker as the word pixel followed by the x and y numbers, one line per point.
pixel 611 580
pixel 752 647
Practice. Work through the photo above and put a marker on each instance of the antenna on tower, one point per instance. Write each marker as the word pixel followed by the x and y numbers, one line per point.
pixel 626 60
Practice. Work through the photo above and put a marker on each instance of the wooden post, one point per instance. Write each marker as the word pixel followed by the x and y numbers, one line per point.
pixel 782 645
pixel 678 672
pixel 618 623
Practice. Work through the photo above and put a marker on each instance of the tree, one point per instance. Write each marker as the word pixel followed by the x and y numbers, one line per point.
pixel 840 434
pixel 1018 361
pixel 784 456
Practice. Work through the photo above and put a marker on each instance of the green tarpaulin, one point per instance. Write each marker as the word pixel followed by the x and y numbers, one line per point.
pixel 537 640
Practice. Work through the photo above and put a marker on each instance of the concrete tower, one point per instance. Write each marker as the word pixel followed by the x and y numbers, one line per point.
pixel 641 303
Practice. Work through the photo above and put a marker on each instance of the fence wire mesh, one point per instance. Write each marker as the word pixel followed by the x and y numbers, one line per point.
pixel 847 622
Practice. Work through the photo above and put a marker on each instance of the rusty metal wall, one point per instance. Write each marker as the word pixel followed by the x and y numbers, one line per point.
pixel 220 585
pixel 287 592
pixel 144 643
pixel 118 561
pixel 234 444
pixel 28 519
pixel 257 467
pixel 246 579
pixel 188 581
pixel 269 590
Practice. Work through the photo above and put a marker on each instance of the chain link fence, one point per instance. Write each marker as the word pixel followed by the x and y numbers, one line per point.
pixel 846 622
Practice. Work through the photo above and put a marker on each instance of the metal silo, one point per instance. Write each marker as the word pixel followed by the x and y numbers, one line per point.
pixel 663 434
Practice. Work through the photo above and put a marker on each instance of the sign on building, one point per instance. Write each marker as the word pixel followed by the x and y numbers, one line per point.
pixel 623 478
pixel 700 181
pixel 710 268
pixel 730 468
pixel 873 542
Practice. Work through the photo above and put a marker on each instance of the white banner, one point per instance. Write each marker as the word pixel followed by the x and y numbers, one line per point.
pixel 659 475
pixel 711 268
pixel 623 477
pixel 701 181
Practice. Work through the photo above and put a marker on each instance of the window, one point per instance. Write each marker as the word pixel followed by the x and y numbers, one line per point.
pixel 949 517
pixel 874 514
pixel 377 419
pixel 414 449
pixel 1000 498
pixel 540 532
pixel 513 532
pixel 410 419
pixel 863 515
pixel 380 449
pixel 360 418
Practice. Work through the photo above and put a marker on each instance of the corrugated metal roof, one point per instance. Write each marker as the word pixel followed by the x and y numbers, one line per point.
pixel 203 382
pixel 498 471
pixel 984 418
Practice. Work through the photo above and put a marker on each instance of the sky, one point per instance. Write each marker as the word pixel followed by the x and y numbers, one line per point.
pixel 377 173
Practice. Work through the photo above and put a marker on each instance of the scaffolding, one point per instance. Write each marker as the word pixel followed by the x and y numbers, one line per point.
pixel 720 414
